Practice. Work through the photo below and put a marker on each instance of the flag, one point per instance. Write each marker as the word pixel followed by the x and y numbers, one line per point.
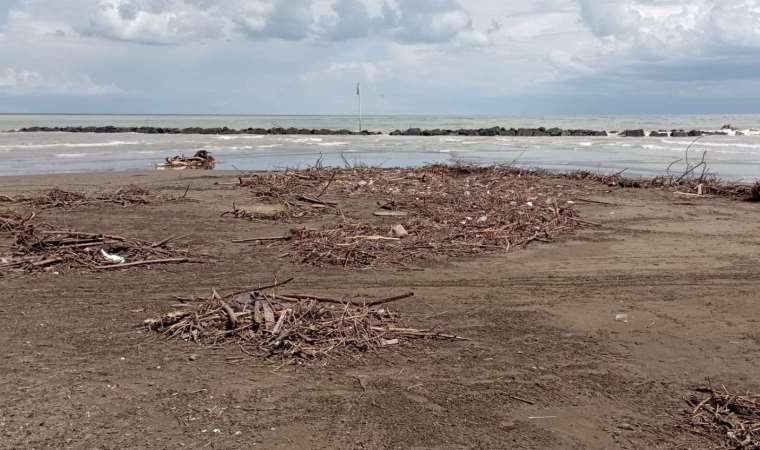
pixel 358 92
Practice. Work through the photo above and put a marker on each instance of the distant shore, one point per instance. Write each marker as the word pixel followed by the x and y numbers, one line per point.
pixel 492 131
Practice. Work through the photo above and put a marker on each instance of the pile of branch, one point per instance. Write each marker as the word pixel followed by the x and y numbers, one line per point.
pixel 439 211
pixel 201 160
pixel 733 420
pixel 40 246
pixel 59 198
pixel 298 193
pixel 755 192
pixel 266 323
pixel 11 223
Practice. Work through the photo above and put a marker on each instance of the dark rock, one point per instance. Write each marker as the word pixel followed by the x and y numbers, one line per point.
pixel 678 133
pixel 633 133
pixel 658 134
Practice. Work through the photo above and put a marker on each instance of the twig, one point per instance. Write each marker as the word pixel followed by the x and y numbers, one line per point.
pixel 144 263
pixel 273 238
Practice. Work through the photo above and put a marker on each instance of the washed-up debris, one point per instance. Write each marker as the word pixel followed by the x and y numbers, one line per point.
pixel 621 318
pixel 201 160
pixel 438 211
pixel 59 198
pixel 288 193
pixel 14 223
pixel 267 323
pixel 755 193
pixel 39 246
pixel 733 421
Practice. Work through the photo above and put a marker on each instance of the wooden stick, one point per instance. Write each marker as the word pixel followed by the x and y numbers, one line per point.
pixel 595 201
pixel 47 262
pixel 144 263
pixel 315 201
pixel 231 319
pixel 390 299
pixel 169 239
pixel 262 288
pixel 343 302
pixel 272 238
pixel 92 235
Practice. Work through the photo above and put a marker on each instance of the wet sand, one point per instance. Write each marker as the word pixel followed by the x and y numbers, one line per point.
pixel 549 366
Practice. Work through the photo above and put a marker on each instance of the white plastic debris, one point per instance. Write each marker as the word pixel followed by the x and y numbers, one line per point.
pixel 115 259
pixel 399 231
pixel 622 318
pixel 482 219
pixel 530 204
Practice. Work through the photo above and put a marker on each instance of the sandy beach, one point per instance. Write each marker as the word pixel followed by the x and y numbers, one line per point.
pixel 592 340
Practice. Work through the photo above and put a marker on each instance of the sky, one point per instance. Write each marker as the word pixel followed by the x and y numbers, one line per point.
pixel 538 57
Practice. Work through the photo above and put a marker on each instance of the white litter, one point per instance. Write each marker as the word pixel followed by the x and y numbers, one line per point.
pixel 622 318
pixel 115 259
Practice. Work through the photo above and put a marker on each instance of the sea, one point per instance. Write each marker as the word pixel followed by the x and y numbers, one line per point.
pixel 735 157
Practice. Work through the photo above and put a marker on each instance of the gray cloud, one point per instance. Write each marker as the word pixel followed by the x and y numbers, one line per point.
pixel 351 21
pixel 290 20
pixel 412 55
pixel 427 21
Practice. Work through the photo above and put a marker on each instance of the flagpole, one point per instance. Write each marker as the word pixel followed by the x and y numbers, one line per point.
pixel 359 94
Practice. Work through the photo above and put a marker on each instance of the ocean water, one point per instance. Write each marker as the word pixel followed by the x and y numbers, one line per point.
pixel 730 157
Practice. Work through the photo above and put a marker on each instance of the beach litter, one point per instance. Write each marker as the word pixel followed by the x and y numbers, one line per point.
pixel 293 194
pixel 622 318
pixel 59 198
pixel 39 246
pixel 437 211
pixel 202 160
pixel 265 322
pixel 730 419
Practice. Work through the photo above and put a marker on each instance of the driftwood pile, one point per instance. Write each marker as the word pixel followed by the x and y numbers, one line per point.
pixel 431 211
pixel 59 198
pixel 201 160
pixel 266 323
pixel 39 246
pixel 296 194
pixel 732 420
pixel 755 193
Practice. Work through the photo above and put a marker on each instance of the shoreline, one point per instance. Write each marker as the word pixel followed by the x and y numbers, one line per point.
pixel 726 130
pixel 680 183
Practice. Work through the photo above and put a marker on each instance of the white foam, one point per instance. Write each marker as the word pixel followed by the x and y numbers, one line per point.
pixel 269 146
pixel 70 155
pixel 240 136
pixel 68 145
pixel 304 140
pixel 332 144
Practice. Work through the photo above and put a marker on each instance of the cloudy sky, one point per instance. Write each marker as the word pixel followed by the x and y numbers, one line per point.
pixel 412 56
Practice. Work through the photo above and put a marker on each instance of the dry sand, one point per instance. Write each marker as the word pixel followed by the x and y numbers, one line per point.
pixel 549 365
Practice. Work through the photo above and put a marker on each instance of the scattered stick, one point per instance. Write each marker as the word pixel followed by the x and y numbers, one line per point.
pixel 732 420
pixel 263 239
pixel 151 262
pixel 345 302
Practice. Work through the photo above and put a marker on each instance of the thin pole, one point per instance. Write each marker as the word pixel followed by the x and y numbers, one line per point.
pixel 359 94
